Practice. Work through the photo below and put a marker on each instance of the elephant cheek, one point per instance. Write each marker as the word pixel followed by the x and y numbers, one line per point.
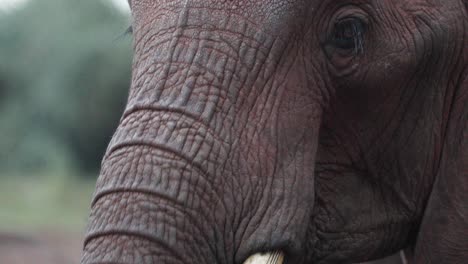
pixel 283 166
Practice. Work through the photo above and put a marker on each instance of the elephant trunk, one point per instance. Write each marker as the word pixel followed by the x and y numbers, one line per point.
pixel 201 169
pixel 159 199
pixel 150 194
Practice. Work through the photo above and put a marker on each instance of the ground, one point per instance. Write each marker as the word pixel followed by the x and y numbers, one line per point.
pixel 51 247
pixel 43 218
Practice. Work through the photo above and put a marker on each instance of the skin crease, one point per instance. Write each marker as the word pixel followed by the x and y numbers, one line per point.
pixel 247 130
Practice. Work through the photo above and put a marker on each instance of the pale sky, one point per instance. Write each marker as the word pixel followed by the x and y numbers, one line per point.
pixel 9 4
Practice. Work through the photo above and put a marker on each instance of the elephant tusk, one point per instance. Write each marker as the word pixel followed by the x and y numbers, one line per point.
pixel 275 257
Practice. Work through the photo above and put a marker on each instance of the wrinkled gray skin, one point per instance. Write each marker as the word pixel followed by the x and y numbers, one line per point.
pixel 335 131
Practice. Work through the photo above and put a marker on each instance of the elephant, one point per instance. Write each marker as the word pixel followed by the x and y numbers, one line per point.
pixel 289 131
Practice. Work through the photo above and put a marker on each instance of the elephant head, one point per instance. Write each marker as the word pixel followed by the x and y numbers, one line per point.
pixel 312 131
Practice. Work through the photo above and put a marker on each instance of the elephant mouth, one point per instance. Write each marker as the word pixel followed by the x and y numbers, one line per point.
pixel 274 257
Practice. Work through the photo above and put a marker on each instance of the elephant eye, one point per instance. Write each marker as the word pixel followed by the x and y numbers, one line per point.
pixel 348 35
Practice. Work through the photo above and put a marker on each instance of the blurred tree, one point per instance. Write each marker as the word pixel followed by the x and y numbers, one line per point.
pixel 64 77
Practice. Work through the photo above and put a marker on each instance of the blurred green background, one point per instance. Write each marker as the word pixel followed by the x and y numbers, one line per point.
pixel 65 68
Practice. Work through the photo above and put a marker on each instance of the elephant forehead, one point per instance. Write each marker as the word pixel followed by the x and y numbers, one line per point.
pixel 222 4
pixel 280 19
pixel 256 10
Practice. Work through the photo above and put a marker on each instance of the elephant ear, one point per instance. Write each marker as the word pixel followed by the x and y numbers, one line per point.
pixel 443 235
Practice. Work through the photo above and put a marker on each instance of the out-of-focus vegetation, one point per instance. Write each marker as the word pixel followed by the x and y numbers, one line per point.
pixel 49 201
pixel 64 77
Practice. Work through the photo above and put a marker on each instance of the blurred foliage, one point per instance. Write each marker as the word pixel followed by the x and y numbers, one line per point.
pixel 64 77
